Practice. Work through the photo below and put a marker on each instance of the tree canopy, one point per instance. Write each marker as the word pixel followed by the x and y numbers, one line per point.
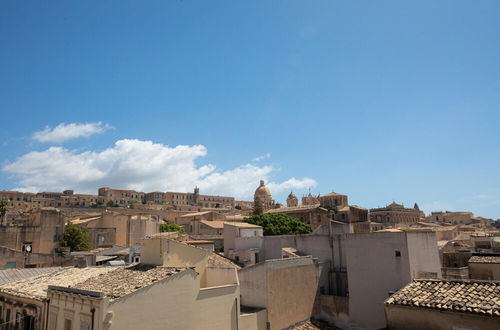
pixel 3 207
pixel 165 227
pixel 76 238
pixel 279 224
pixel 257 206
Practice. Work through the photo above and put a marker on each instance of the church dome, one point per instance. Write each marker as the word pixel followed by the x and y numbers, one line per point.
pixel 292 196
pixel 262 192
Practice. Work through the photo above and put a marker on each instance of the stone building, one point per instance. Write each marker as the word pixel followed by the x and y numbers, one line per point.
pixel 263 195
pixel 455 218
pixel 286 288
pixel 121 197
pixel 484 267
pixel 314 215
pixel 157 197
pixel 395 213
pixel 319 211
pixel 310 200
pixel 242 241
pixel 444 305
pixel 333 201
pixel 196 199
pixel 175 288
pixel 357 271
pixel 292 200
pixel 42 230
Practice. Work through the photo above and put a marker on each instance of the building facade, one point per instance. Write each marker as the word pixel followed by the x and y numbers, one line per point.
pixel 395 213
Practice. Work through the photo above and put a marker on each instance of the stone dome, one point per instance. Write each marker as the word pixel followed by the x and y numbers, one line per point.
pixel 292 196
pixel 262 192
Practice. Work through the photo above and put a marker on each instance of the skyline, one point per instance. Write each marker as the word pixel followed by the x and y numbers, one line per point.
pixel 379 101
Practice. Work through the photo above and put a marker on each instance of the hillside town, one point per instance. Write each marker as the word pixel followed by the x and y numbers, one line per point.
pixel 125 259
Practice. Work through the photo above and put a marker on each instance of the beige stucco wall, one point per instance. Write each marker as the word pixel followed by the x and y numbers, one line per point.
pixel 177 303
pixel 78 310
pixel 254 321
pixel 410 318
pixel 372 271
pixel 484 271
pixel 217 276
pixel 171 253
pixel 286 288
pixel 423 254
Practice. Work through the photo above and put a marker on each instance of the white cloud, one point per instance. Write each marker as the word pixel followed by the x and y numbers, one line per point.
pixel 291 184
pixel 259 158
pixel 64 132
pixel 140 165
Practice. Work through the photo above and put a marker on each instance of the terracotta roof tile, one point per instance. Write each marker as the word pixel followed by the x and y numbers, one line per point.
pixel 479 297
pixel 485 259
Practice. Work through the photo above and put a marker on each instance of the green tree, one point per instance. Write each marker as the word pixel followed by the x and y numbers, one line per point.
pixel 257 206
pixel 4 205
pixel 279 224
pixel 166 227
pixel 76 238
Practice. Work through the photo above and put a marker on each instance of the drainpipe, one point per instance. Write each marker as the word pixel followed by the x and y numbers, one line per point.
pixel 92 310
pixel 47 314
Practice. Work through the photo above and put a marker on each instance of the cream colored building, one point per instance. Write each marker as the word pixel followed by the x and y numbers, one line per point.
pixel 286 288
pixel 263 195
pixel 174 287
pixel 395 213
pixel 121 197
pixel 444 305
pixel 455 218
pixel 195 199
pixel 484 267
pixel 242 242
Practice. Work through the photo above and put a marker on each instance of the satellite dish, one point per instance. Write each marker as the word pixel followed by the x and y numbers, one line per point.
pixel 28 248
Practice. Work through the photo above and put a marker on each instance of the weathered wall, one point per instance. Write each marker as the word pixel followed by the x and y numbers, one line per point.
pixel 479 271
pixel 424 255
pixel 216 276
pixel 410 318
pixel 171 253
pixel 285 287
pixel 253 286
pixel 253 321
pixel 185 306
pixel 373 270
pixel 292 288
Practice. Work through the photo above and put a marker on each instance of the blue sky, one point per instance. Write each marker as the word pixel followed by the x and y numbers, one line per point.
pixel 380 100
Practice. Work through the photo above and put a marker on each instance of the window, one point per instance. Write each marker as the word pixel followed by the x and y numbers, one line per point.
pixel 67 324
pixel 397 253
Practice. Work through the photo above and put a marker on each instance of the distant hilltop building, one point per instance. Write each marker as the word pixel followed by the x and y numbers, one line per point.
pixel 317 210
pixel 292 200
pixel 263 195
pixel 395 213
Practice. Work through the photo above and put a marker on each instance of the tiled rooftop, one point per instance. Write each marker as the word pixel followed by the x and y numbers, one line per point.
pixel 36 286
pixel 11 275
pixel 115 282
pixel 478 297
pixel 242 224
pixel 485 259
pixel 215 259
pixel 213 224
pixel 124 280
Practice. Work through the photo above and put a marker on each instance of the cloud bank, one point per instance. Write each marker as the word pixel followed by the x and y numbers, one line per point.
pixel 64 132
pixel 143 166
